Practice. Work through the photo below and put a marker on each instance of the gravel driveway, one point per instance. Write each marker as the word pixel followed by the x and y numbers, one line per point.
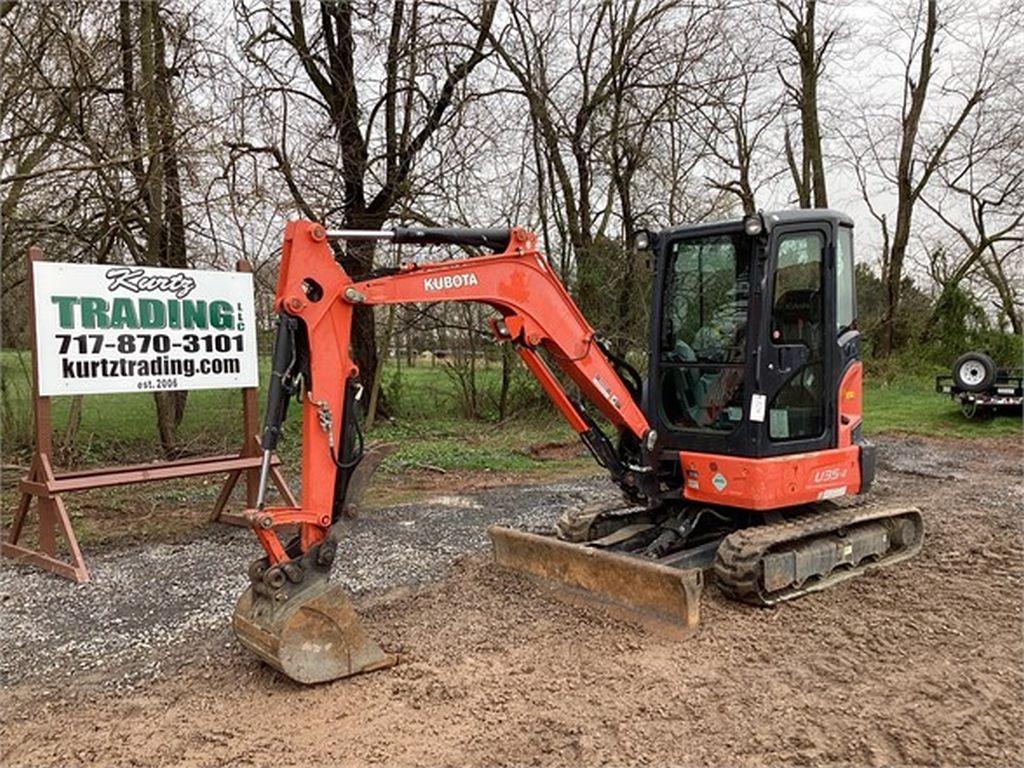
pixel 152 608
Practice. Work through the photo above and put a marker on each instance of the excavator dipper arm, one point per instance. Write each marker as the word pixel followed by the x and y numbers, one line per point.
pixel 290 616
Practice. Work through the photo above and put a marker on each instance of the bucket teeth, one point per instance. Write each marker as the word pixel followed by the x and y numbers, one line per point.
pixel 654 594
pixel 314 637
pixel 299 623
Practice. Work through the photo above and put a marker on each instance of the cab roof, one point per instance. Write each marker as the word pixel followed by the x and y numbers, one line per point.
pixel 771 219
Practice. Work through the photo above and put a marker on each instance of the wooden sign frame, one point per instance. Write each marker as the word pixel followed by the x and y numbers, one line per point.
pixel 46 486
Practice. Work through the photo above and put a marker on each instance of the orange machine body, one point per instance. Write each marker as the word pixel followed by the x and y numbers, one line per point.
pixel 774 482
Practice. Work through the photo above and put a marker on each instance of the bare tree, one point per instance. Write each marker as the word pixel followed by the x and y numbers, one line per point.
pixel 380 126
pixel 157 167
pixel 600 101
pixel 42 89
pixel 737 116
pixel 96 140
pixel 811 41
pixel 979 194
pixel 1004 273
pixel 908 153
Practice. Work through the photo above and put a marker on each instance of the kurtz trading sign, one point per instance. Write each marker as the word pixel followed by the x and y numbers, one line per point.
pixel 103 328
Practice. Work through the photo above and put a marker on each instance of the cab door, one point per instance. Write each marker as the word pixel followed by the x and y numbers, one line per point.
pixel 797 357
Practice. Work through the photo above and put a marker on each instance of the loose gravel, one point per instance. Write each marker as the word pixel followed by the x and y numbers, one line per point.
pixel 151 609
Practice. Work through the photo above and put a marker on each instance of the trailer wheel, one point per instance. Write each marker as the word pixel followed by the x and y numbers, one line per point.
pixel 974 372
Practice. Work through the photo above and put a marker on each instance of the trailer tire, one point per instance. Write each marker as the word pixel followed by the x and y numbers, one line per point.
pixel 974 372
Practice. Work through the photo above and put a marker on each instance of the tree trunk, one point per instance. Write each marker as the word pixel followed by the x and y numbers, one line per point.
pixel 803 194
pixel 165 424
pixel 997 277
pixel 151 113
pixel 410 359
pixel 907 192
pixel 364 343
pixel 172 231
pixel 166 408
pixel 165 227
pixel 358 262
pixel 809 174
pixel 474 406
pixel 506 380
pixel 809 116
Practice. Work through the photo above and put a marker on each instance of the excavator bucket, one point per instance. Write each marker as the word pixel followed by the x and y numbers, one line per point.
pixel 664 598
pixel 307 628
pixel 311 640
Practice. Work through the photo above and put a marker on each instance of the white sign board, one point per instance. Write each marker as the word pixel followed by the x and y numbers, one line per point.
pixel 103 328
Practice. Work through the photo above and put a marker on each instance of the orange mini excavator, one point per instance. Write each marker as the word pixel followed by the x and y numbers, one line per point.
pixel 738 453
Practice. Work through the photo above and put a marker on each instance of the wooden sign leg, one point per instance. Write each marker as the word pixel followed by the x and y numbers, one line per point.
pixel 51 512
pixel 250 448
pixel 53 517
pixel 218 515
pixel 14 533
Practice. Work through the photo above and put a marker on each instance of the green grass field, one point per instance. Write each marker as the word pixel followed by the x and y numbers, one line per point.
pixel 429 431
pixel 437 448
pixel 427 425
pixel 909 403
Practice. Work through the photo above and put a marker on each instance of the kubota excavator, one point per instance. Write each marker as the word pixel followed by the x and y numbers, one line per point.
pixel 740 452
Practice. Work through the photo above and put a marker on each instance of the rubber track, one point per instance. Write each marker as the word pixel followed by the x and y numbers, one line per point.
pixel 738 561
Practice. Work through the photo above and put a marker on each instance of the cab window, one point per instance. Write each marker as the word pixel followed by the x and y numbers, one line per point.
pixel 704 332
pixel 846 313
pixel 798 409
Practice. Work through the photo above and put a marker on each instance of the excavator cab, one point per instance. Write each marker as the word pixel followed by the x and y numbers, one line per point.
pixel 754 346
pixel 753 396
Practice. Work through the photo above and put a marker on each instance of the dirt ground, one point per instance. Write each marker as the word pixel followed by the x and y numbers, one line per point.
pixel 921 664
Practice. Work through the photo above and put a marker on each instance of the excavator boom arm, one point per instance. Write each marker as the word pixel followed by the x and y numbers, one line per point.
pixel 535 313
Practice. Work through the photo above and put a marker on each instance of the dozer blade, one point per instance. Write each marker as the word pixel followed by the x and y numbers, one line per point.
pixel 315 637
pixel 655 595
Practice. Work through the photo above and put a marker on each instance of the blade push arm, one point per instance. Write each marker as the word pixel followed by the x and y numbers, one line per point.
pixel 536 313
